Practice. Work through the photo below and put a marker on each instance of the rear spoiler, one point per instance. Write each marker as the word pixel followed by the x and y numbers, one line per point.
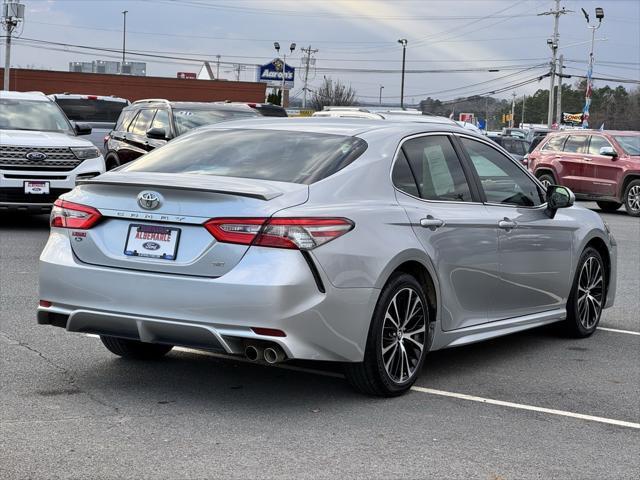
pixel 259 189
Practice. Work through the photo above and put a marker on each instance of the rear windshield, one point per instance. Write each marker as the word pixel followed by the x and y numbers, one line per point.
pixel 629 143
pixel 188 119
pixel 284 156
pixel 85 110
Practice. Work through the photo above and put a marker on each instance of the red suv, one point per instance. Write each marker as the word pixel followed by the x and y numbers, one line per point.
pixel 597 165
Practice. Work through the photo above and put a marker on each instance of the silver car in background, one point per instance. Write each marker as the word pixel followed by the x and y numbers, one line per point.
pixel 357 241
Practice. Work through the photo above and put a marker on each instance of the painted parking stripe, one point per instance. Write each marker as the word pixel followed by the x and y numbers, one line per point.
pixel 531 408
pixel 615 330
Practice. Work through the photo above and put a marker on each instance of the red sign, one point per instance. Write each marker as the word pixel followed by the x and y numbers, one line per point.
pixel 466 117
pixel 187 75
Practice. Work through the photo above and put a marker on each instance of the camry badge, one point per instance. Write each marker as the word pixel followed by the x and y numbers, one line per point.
pixel 149 200
pixel 35 156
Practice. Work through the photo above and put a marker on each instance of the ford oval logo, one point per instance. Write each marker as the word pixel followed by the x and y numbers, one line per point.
pixel 150 246
pixel 35 156
pixel 149 200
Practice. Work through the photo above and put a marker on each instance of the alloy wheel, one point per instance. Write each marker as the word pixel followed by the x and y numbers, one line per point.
pixel 633 198
pixel 403 335
pixel 590 292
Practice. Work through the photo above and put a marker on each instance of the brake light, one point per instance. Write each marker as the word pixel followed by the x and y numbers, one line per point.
pixel 73 215
pixel 92 97
pixel 291 233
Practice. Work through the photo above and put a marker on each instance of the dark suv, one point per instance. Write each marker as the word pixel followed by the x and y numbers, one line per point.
pixel 597 165
pixel 149 124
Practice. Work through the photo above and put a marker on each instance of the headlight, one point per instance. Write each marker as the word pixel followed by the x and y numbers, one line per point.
pixel 83 153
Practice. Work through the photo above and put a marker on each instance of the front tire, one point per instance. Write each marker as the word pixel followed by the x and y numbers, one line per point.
pixel 588 295
pixel 609 207
pixel 632 198
pixel 397 341
pixel 135 349
pixel 111 162
pixel 546 179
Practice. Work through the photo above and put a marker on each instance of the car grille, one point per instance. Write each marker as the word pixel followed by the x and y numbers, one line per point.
pixel 17 195
pixel 59 159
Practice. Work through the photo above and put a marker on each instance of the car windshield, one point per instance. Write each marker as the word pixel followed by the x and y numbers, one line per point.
pixel 32 115
pixel 298 157
pixel 629 143
pixel 188 119
pixel 87 110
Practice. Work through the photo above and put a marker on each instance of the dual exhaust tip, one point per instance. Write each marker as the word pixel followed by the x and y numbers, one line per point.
pixel 270 355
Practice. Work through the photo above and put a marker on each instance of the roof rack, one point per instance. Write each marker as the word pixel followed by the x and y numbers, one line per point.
pixel 346 109
pixel 152 100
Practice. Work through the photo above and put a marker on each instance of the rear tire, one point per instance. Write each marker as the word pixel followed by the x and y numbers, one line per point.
pixel 135 349
pixel 546 179
pixel 587 296
pixel 397 341
pixel 632 198
pixel 609 207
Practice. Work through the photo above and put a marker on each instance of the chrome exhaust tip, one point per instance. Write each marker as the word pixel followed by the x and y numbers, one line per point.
pixel 273 355
pixel 252 353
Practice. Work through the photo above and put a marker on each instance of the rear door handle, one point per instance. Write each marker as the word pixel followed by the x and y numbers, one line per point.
pixel 507 224
pixel 432 223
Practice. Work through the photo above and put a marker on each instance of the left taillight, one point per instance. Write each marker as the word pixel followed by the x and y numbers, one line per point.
pixel 290 233
pixel 73 215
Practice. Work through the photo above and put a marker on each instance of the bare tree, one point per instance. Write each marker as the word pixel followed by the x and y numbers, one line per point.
pixel 333 93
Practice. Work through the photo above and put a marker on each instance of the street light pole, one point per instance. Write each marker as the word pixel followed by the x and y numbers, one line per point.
pixel 589 90
pixel 292 47
pixel 124 35
pixel 403 42
pixel 381 88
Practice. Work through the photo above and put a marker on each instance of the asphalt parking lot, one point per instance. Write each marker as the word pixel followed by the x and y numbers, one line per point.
pixel 531 405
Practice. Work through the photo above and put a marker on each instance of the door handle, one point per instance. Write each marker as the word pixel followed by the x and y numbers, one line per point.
pixel 507 224
pixel 586 159
pixel 431 223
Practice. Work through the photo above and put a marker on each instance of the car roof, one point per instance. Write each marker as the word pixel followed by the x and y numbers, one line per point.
pixel 337 126
pixel 35 96
pixel 81 96
pixel 587 131
pixel 237 107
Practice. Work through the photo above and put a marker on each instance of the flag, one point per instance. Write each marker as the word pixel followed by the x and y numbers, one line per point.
pixel 602 127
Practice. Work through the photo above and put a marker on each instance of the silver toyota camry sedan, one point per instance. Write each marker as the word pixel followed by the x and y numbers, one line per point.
pixel 357 241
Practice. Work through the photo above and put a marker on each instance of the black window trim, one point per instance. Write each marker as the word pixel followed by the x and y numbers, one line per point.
pixel 475 197
pixel 478 183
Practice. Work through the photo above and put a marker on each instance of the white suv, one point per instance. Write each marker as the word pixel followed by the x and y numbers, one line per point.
pixel 40 154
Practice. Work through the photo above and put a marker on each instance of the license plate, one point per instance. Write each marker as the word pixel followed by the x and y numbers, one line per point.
pixel 152 241
pixel 36 188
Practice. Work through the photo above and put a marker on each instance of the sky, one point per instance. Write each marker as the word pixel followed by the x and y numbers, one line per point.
pixel 350 36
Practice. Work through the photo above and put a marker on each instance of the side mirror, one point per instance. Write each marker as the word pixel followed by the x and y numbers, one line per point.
pixel 608 152
pixel 82 129
pixel 157 133
pixel 558 197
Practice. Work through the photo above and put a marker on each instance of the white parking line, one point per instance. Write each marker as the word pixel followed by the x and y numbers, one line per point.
pixel 628 332
pixel 442 393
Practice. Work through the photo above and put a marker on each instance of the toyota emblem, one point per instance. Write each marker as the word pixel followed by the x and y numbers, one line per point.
pixel 149 200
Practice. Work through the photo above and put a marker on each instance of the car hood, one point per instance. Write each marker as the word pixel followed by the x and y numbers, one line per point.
pixel 41 139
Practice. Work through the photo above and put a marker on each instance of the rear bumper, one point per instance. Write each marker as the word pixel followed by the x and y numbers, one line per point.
pixel 270 288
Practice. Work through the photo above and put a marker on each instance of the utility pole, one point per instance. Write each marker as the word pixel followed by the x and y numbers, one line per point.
pixel 124 35
pixel 238 68
pixel 380 100
pixel 217 67
pixel 307 61
pixel 12 15
pixel 559 94
pixel 513 110
pixel 553 44
pixel 524 97
pixel 403 42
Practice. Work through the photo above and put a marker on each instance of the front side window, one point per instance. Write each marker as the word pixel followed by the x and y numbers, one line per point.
pixel 596 144
pixel 125 120
pixel 284 156
pixel 502 180
pixel 32 115
pixel 576 144
pixel 555 143
pixel 435 168
pixel 142 122
pixel 188 119
pixel 161 120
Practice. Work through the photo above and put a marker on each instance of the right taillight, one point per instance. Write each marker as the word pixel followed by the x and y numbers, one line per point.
pixel 292 233
pixel 73 215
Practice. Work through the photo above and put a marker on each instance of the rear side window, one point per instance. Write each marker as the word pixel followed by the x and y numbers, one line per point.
pixel 596 144
pixel 436 170
pixel 85 110
pixel 284 156
pixel 142 122
pixel 555 143
pixel 402 176
pixel 576 144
